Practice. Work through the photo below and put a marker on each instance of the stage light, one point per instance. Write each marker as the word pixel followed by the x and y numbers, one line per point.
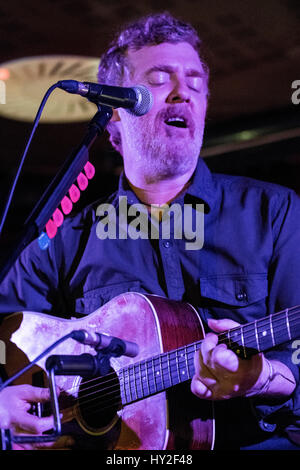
pixel 27 80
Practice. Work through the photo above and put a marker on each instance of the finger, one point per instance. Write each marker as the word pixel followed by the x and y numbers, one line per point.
pixel 202 372
pixel 208 344
pixel 35 425
pixel 199 389
pixel 224 359
pixel 35 394
pixel 222 325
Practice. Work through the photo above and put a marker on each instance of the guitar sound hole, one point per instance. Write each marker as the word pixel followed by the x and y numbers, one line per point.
pixel 99 400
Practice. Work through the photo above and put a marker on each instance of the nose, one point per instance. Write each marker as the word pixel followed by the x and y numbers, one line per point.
pixel 180 92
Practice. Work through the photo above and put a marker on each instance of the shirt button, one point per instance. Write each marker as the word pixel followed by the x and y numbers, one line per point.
pixel 167 244
pixel 241 296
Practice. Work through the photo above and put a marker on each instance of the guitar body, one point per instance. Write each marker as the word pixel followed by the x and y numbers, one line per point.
pixel 173 419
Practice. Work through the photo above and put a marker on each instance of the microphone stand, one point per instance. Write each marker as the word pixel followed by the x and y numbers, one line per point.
pixel 58 188
pixel 36 222
pixel 86 366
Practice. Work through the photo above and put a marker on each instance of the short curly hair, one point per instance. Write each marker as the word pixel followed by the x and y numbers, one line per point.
pixel 115 68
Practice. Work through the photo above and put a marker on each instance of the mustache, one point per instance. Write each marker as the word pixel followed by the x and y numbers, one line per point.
pixel 177 110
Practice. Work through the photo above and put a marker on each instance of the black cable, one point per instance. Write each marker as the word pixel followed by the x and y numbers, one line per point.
pixel 38 358
pixel 35 124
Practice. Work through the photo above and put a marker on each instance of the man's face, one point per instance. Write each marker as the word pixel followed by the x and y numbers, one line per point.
pixel 165 142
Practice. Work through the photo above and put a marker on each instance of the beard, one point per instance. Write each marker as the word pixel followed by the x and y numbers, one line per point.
pixel 161 151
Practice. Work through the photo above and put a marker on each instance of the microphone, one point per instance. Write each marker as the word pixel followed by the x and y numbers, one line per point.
pixel 137 100
pixel 101 341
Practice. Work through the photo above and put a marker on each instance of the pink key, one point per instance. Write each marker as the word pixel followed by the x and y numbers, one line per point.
pixel 66 205
pixel 58 217
pixel 89 170
pixel 82 181
pixel 51 229
pixel 74 193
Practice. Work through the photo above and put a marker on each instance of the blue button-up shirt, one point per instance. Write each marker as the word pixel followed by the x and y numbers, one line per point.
pixel 244 264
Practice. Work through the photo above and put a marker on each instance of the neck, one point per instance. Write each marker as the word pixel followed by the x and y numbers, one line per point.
pixel 160 192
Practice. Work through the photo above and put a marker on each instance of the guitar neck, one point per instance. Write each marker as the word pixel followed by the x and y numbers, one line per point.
pixel 166 370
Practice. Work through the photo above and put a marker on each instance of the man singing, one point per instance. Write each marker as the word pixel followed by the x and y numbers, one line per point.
pixel 247 268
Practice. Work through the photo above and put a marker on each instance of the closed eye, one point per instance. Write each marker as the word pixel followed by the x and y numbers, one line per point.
pixel 195 83
pixel 158 77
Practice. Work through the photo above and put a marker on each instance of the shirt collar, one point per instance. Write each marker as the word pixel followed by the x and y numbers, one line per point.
pixel 201 187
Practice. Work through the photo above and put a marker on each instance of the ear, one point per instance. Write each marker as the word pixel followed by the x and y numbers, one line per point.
pixel 115 117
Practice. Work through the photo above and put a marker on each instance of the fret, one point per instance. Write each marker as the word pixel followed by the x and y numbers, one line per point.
pixel 194 349
pixel 256 336
pixel 138 382
pixel 157 374
pixel 229 340
pixel 181 360
pixel 177 365
pixel 135 383
pixel 264 334
pixel 272 332
pixel 122 387
pixel 235 338
pixel 151 380
pixel 165 371
pixel 288 323
pixel 169 370
pixel 126 386
pixel 141 381
pixel 174 368
pixel 243 342
pixel 132 383
pixel 293 323
pixel 144 379
pixel 186 363
pixel 147 379
pixel 161 372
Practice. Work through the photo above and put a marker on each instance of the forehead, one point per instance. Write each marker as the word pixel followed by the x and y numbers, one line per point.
pixel 177 56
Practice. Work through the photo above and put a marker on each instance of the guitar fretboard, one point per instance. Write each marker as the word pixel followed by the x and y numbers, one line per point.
pixel 157 374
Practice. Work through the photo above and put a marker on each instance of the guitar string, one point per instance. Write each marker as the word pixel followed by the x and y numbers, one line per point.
pixel 117 402
pixel 151 384
pixel 167 355
pixel 222 339
pixel 267 321
pixel 117 391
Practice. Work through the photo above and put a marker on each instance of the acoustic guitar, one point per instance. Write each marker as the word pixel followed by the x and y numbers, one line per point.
pixel 143 402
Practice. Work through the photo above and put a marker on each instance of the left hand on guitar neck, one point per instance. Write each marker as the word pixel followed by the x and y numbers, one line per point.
pixel 220 374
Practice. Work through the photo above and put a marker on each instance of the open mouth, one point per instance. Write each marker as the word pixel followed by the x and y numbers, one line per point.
pixel 176 122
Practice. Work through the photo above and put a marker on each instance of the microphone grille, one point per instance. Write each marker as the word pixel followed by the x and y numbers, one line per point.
pixel 144 102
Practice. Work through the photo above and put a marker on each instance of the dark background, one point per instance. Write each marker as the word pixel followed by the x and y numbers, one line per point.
pixel 253 51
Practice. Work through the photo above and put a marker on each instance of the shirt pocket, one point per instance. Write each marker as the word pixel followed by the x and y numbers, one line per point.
pixel 242 298
pixel 95 298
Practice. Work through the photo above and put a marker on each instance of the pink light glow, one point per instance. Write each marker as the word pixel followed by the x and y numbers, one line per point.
pixel 66 205
pixel 51 229
pixel 89 170
pixel 74 193
pixel 82 181
pixel 58 217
